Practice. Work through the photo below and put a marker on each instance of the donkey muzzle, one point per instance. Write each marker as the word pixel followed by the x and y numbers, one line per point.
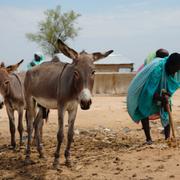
pixel 85 99
pixel 1 101
pixel 85 105
pixel 1 105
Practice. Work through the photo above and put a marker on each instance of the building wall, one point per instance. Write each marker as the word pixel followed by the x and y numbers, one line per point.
pixel 113 67
pixel 112 83
pixel 105 68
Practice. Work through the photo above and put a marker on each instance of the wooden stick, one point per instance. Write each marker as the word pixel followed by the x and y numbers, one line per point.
pixel 170 118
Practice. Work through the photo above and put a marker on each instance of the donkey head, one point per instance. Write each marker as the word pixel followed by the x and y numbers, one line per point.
pixel 5 79
pixel 84 72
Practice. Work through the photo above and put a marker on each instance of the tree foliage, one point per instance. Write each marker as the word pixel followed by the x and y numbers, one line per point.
pixel 56 25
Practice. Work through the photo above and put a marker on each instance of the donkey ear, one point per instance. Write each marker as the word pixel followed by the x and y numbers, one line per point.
pixel 67 51
pixel 98 55
pixel 14 67
pixel 2 65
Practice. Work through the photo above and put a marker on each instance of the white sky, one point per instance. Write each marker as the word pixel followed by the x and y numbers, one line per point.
pixel 131 28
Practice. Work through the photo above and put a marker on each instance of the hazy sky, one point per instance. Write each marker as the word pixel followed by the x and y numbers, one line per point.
pixel 132 28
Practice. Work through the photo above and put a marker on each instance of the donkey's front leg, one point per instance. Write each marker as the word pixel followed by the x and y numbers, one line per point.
pixel 12 127
pixel 60 135
pixel 71 119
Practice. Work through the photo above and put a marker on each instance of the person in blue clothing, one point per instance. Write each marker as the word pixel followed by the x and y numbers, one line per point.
pixel 38 59
pixel 160 53
pixel 145 92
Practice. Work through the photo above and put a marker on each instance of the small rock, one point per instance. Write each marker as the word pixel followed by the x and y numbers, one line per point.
pixel 79 176
pixel 160 128
pixel 79 167
pixel 94 174
pixel 107 129
pixel 84 132
pixel 161 167
pixel 106 141
pixel 94 140
pixel 126 130
pixel 171 176
pixel 76 132
pixel 134 175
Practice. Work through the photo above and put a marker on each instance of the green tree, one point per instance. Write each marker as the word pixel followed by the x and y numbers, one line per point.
pixel 56 25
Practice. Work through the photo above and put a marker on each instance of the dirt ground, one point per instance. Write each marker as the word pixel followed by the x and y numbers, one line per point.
pixel 107 145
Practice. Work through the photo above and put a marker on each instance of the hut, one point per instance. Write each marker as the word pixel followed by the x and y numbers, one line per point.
pixel 114 63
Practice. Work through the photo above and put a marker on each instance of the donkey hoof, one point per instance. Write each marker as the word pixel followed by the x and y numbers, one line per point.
pixel 148 142
pixel 42 156
pixel 12 146
pixel 28 161
pixel 21 143
pixel 56 165
pixel 33 142
pixel 68 163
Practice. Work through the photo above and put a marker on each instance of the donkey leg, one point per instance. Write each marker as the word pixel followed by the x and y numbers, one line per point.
pixel 12 127
pixel 40 134
pixel 30 116
pixel 71 120
pixel 45 114
pixel 40 115
pixel 26 120
pixel 37 126
pixel 20 125
pixel 60 135
pixel 41 130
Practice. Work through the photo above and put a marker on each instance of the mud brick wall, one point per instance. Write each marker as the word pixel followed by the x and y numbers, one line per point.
pixel 112 83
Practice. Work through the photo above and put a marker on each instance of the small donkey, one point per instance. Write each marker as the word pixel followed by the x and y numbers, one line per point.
pixel 56 85
pixel 11 93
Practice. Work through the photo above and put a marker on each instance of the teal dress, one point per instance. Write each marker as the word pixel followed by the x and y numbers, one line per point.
pixel 152 79
pixel 29 66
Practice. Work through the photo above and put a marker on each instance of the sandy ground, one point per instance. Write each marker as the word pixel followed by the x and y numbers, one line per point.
pixel 107 145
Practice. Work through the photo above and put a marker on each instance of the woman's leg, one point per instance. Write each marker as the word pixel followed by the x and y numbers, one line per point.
pixel 167 131
pixel 145 125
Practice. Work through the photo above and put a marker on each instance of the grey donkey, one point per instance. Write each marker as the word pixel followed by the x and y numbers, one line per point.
pixel 61 86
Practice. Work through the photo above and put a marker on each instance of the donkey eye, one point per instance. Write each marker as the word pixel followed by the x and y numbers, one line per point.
pixel 6 82
pixel 93 72
pixel 76 74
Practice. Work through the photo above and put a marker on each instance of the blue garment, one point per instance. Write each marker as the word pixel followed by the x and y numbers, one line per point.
pixel 150 80
pixel 34 62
